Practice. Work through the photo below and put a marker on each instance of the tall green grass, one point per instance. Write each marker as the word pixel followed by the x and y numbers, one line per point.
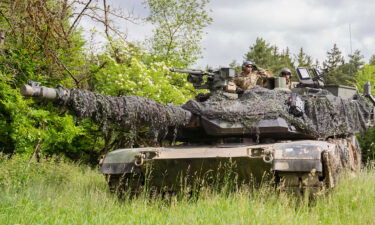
pixel 55 192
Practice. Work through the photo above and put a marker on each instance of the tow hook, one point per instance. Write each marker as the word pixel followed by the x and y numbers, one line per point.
pixel 267 157
pixel 139 159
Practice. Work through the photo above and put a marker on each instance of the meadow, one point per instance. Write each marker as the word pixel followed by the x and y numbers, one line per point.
pixel 58 192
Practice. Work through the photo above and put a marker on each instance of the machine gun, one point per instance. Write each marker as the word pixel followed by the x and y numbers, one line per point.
pixel 212 79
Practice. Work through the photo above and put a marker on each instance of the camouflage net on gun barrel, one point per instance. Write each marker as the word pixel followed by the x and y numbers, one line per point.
pixel 124 111
pixel 325 115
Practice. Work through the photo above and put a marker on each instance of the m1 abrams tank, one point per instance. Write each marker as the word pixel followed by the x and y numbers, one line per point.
pixel 301 138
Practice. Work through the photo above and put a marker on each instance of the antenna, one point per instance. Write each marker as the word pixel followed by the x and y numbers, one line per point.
pixel 350 37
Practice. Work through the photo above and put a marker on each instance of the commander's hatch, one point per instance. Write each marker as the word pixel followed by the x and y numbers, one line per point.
pixel 304 77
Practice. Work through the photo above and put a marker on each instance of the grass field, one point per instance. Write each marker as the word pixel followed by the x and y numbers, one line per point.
pixel 66 193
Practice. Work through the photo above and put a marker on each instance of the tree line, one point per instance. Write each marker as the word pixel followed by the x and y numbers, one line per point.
pixel 335 68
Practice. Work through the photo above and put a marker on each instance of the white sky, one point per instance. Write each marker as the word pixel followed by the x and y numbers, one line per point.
pixel 314 25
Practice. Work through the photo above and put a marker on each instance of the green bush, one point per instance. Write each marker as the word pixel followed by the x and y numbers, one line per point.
pixel 23 124
pixel 367 143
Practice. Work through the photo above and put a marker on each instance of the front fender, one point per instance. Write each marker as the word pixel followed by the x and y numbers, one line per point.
pixel 122 161
pixel 299 156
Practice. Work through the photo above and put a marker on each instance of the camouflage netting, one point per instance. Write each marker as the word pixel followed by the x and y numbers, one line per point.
pixel 125 111
pixel 325 115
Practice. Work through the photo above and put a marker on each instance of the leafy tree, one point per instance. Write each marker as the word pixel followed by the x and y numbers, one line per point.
pixel 372 60
pixel 367 74
pixel 334 59
pixel 339 72
pixel 178 29
pixel 260 53
pixel 367 139
pixel 140 76
pixel 38 47
pixel 283 60
pixel 333 67
pixel 355 62
pixel 269 57
pixel 303 60
pixel 26 129
pixel 367 144
pixel 41 46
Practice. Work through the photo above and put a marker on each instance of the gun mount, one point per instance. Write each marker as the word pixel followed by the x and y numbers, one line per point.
pixel 212 80
pixel 304 136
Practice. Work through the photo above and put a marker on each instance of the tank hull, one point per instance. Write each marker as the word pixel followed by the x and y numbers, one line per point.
pixel 318 162
pixel 179 167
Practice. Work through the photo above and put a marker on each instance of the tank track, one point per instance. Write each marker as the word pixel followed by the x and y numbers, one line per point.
pixel 122 184
pixel 301 184
pixel 347 157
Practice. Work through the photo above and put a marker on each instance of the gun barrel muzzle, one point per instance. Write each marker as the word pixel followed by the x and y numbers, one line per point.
pixel 39 92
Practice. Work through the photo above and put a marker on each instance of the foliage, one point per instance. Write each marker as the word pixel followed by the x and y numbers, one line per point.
pixel 355 62
pixel 337 71
pixel 141 75
pixel 331 66
pixel 372 60
pixel 260 53
pixel 334 59
pixel 303 60
pixel 367 139
pixel 51 51
pixel 269 57
pixel 25 128
pixel 37 45
pixel 179 29
pixel 367 74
